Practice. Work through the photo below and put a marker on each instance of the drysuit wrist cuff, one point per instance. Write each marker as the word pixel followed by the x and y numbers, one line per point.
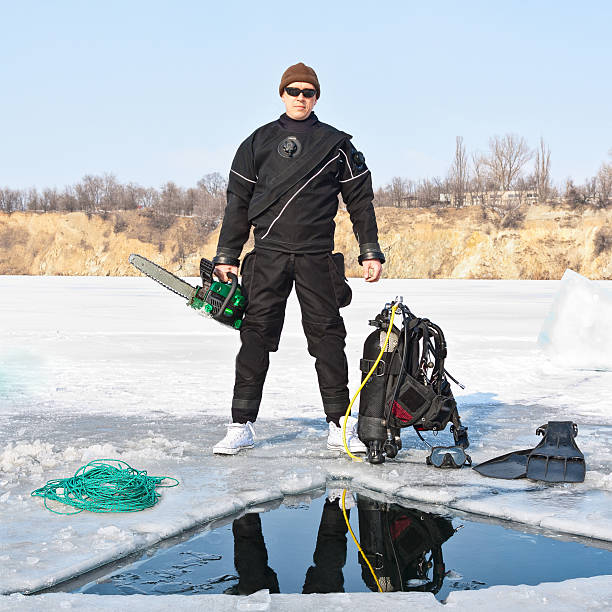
pixel 370 250
pixel 226 257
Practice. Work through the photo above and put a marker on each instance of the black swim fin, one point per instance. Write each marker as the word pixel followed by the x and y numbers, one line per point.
pixel 556 458
pixel 510 466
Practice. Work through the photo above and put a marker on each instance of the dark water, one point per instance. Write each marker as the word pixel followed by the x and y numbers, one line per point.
pixel 305 547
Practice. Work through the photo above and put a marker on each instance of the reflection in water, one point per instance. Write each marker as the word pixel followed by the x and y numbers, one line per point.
pixel 404 547
pixel 251 558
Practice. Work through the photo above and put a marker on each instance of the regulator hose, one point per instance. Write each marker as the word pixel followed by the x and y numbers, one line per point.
pixel 105 485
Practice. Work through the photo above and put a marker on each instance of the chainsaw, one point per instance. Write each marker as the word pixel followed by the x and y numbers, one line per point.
pixel 223 302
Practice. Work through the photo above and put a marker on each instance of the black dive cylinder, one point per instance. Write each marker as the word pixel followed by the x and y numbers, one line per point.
pixel 372 429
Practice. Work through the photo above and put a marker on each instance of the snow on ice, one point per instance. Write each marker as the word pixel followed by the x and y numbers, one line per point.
pixel 119 368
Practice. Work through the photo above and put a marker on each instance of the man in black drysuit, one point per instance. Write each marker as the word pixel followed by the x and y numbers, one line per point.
pixel 284 181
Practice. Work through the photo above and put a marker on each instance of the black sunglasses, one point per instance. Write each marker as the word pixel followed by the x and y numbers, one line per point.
pixel 294 92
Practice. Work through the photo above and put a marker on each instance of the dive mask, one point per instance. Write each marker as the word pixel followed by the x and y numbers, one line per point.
pixel 448 457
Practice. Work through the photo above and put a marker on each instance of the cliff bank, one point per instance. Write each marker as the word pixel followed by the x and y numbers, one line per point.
pixel 419 243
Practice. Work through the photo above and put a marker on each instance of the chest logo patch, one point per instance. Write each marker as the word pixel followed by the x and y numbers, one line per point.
pixel 358 159
pixel 290 147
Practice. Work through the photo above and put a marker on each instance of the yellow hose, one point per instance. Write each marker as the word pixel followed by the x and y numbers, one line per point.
pixel 356 542
pixel 365 380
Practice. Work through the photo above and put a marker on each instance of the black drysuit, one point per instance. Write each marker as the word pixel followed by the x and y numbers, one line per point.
pixel 284 181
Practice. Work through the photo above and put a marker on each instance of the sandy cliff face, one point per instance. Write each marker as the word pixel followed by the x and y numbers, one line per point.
pixel 418 244
pixel 78 244
pixel 459 244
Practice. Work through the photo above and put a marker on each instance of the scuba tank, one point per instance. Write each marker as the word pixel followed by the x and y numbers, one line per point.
pixel 371 427
pixel 409 387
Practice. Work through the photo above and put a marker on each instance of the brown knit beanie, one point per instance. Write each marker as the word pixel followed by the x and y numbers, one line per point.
pixel 299 73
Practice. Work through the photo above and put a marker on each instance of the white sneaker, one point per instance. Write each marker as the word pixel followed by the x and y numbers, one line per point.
pixel 336 495
pixel 238 436
pixel 334 438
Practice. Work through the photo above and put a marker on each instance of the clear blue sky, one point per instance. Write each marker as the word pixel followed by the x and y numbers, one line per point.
pixel 155 91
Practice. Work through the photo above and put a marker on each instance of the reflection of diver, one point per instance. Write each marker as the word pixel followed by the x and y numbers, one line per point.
pixel 396 541
pixel 402 545
pixel 251 558
pixel 325 576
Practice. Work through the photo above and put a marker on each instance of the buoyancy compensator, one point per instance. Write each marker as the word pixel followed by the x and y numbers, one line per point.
pixel 410 386
pixel 403 545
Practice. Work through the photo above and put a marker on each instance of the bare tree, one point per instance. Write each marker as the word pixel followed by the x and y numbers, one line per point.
pixel 458 176
pixel 574 195
pixel 112 193
pixel 133 196
pixel 507 157
pixel 214 183
pixel 149 198
pixel 10 200
pixel 542 172
pixel 31 199
pixel 171 199
pixel 590 190
pixel 428 192
pixel 398 192
pixel 69 199
pixel 478 182
pixel 90 192
pixel 604 186
pixel 49 200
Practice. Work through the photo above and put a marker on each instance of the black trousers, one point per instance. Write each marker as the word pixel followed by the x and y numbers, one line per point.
pixel 267 279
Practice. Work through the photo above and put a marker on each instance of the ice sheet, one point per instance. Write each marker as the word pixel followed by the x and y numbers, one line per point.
pixel 569 596
pixel 118 367
pixel 577 332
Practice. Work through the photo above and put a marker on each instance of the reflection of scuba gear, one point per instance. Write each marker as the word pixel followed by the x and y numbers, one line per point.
pixel 556 458
pixel 409 386
pixel 402 545
pixel 448 457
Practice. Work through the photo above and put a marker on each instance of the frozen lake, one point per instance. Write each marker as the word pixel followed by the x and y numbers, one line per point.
pixel 119 368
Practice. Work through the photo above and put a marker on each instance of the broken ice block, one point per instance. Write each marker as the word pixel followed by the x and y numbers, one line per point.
pixel 578 329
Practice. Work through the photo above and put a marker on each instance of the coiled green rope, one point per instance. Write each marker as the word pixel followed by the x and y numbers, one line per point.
pixel 105 485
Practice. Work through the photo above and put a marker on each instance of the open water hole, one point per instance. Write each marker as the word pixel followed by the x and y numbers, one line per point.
pixel 303 546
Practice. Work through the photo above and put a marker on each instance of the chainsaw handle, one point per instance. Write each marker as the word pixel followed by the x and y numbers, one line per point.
pixel 230 296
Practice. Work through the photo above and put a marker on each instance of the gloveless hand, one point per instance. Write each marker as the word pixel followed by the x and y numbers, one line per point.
pixel 221 271
pixel 372 270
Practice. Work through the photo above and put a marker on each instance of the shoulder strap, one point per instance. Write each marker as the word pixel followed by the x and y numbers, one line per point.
pixel 322 145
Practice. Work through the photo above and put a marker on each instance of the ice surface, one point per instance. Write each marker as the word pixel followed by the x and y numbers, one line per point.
pixel 120 368
pixel 577 332
pixel 569 596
